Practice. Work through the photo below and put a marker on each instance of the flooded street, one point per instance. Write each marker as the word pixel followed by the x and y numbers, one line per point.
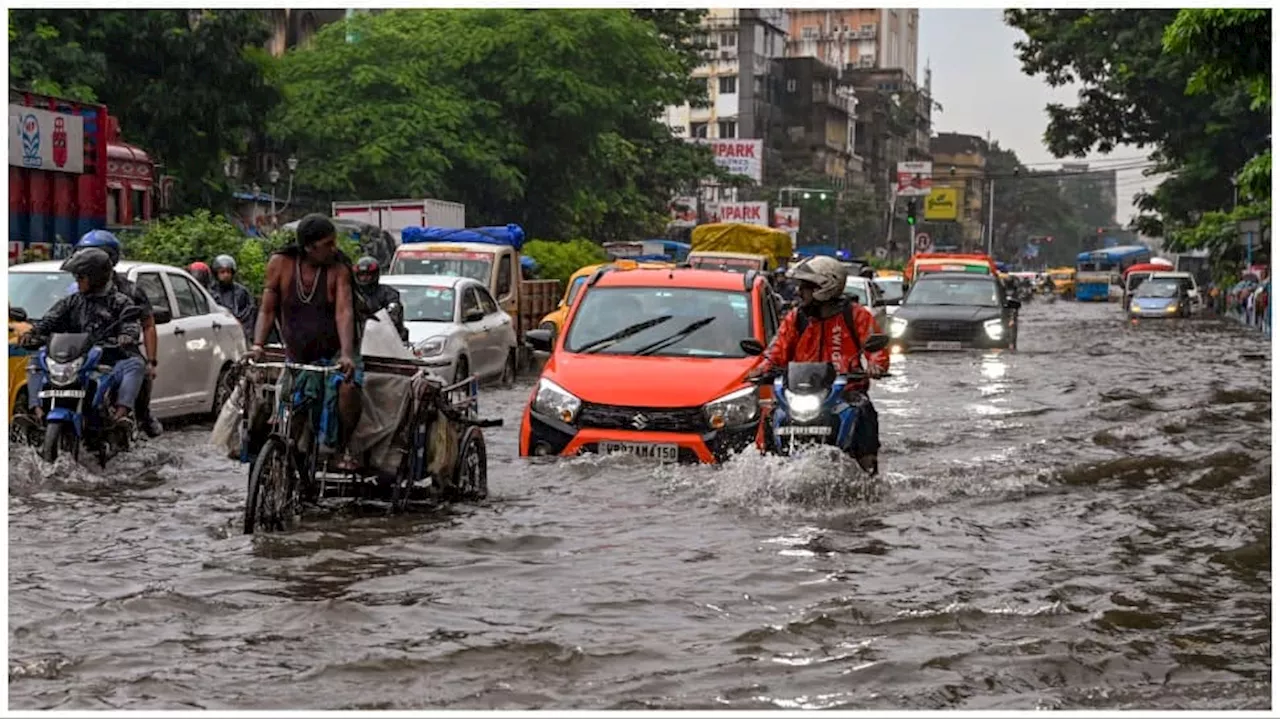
pixel 1082 524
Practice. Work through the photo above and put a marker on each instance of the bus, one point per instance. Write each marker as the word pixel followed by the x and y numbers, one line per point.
pixel 1098 270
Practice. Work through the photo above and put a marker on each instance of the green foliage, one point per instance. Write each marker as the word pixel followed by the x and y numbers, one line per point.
pixel 189 92
pixel 559 260
pixel 1135 92
pixel 179 241
pixel 543 118
pixel 1230 46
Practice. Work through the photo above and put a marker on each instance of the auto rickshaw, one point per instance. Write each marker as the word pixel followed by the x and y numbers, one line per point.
pixel 18 326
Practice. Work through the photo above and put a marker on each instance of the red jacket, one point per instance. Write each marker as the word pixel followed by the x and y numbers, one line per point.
pixel 826 340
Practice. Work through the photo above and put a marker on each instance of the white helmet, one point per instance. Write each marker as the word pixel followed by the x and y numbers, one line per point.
pixel 827 274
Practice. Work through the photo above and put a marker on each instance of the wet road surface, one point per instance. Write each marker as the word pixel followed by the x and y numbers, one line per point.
pixel 1083 524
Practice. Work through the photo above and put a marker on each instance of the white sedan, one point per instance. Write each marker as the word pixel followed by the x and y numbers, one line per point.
pixel 456 328
pixel 197 340
pixel 867 293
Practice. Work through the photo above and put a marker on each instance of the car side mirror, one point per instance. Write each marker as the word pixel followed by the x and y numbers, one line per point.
pixel 538 340
pixel 473 316
pixel 752 346
pixel 875 343
pixel 17 314
pixel 1013 304
pixel 162 317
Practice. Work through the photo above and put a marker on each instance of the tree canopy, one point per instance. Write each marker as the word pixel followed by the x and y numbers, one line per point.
pixel 1135 91
pixel 189 87
pixel 546 118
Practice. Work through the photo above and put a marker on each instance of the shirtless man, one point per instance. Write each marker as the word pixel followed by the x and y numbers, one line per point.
pixel 308 289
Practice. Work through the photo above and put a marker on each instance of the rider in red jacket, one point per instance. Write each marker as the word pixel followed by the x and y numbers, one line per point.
pixel 828 327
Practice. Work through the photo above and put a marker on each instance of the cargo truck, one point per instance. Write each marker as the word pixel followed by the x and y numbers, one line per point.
pixel 395 215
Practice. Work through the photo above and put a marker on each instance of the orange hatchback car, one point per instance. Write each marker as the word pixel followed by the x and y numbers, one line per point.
pixel 653 363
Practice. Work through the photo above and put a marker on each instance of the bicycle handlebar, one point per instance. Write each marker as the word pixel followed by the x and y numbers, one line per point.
pixel 294 365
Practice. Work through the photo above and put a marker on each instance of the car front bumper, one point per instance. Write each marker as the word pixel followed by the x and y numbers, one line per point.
pixel 541 436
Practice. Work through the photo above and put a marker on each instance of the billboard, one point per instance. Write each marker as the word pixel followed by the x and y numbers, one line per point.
pixel 943 204
pixel 738 156
pixel 787 219
pixel 915 179
pixel 43 140
pixel 751 213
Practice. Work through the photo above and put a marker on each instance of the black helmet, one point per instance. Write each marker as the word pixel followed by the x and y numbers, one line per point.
pixel 93 263
pixel 224 262
pixel 367 271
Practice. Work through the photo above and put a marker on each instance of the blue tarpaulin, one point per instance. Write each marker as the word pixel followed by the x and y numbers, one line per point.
pixel 510 235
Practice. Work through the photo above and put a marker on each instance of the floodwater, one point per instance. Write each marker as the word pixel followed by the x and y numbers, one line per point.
pixel 1084 524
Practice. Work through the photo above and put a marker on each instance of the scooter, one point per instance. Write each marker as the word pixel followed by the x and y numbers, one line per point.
pixel 76 395
pixel 810 407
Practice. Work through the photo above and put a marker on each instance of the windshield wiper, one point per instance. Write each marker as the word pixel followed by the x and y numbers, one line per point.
pixel 669 340
pixel 635 329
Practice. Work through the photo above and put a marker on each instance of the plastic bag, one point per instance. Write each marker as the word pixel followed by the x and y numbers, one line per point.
pixel 226 431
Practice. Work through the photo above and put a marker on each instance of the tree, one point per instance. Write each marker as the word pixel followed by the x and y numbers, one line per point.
pixel 544 118
pixel 1134 93
pixel 189 88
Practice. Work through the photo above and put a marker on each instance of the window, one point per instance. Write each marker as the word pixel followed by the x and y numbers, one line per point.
pixel 153 288
pixel 113 206
pixel 139 206
pixel 486 302
pixel 791 85
pixel 770 317
pixel 867 28
pixel 728 39
pixel 728 84
pixel 809 32
pixel 728 128
pixel 697 129
pixel 470 303
pixel 504 276
pixel 191 301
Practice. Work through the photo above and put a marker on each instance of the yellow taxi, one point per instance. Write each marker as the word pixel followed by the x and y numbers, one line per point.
pixel 1064 281
pixel 555 320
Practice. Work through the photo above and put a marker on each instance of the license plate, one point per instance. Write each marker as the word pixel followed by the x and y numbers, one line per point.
pixel 944 345
pixel 660 452
pixel 59 393
pixel 803 430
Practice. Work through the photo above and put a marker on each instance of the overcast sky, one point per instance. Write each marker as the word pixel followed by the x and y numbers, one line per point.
pixel 979 83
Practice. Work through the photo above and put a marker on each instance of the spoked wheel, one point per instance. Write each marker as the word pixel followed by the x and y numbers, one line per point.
pixel 272 497
pixel 471 476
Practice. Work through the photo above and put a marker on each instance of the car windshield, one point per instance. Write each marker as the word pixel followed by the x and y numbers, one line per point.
pixel 856 290
pixel 425 303
pixel 36 292
pixel 649 317
pixel 446 264
pixel 891 289
pixel 940 291
pixel 1162 289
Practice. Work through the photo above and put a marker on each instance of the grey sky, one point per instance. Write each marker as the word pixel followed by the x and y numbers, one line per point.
pixel 979 83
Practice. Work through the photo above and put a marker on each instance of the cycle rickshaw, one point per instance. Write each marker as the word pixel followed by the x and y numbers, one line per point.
pixel 419 440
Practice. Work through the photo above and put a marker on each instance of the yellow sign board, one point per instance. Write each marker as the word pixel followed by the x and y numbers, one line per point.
pixel 943 204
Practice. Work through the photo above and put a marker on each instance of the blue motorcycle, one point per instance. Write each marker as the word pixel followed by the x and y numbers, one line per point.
pixel 77 394
pixel 810 406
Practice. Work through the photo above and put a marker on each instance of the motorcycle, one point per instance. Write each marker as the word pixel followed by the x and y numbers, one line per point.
pixel 76 393
pixel 810 406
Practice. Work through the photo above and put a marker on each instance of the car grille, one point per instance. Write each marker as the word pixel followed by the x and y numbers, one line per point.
pixel 647 419
pixel 943 330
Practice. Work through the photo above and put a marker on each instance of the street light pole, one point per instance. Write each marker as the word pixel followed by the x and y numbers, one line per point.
pixel 991 219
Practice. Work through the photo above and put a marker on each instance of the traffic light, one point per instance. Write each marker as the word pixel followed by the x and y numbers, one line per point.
pixel 911 212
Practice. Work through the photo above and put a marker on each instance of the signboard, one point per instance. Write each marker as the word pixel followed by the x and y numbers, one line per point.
pixel 624 249
pixel 943 204
pixel 787 219
pixel 751 213
pixel 915 179
pixel 738 156
pixel 685 209
pixel 43 140
pixel 924 243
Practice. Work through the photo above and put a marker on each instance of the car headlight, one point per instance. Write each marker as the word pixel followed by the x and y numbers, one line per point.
pixel 734 408
pixel 556 401
pixel 897 327
pixel 64 372
pixel 1134 307
pixel 804 407
pixel 1171 308
pixel 994 328
pixel 430 347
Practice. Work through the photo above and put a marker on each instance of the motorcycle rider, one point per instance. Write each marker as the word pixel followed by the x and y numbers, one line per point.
pixel 110 244
pixel 376 296
pixel 94 309
pixel 233 295
pixel 202 273
pixel 828 327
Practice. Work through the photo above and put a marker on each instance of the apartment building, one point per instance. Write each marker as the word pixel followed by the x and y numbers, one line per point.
pixel 818 120
pixel 960 162
pixel 857 37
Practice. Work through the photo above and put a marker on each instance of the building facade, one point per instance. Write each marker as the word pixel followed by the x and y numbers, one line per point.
pixel 864 38
pixel 960 162
pixel 818 120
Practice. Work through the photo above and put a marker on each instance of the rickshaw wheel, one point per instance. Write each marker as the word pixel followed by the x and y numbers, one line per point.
pixel 271 495
pixel 471 476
